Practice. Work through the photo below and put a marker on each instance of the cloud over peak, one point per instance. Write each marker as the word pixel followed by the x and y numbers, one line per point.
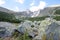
pixel 41 5
pixel 32 3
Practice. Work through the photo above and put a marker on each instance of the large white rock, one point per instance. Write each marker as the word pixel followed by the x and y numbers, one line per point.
pixel 26 26
pixel 9 28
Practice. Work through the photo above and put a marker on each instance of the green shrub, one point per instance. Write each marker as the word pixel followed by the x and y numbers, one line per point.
pixel 19 36
pixel 37 18
pixel 24 37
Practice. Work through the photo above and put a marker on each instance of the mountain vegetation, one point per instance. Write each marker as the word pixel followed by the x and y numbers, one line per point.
pixel 57 12
pixel 11 18
pixel 8 17
pixel 42 18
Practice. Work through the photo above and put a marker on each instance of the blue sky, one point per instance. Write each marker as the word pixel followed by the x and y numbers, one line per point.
pixel 33 5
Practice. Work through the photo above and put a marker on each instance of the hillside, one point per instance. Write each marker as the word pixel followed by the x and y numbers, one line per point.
pixel 8 17
pixel 27 13
pixel 11 16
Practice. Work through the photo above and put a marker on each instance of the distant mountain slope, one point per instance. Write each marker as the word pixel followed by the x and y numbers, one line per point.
pixel 8 15
pixel 46 11
pixel 6 10
pixel 28 13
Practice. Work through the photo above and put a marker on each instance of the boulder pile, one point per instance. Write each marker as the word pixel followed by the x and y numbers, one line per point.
pixel 39 30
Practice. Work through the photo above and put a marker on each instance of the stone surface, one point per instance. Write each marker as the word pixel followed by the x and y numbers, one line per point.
pixel 43 27
pixel 53 31
pixel 26 26
pixel 8 28
pixel 46 28
pixel 33 32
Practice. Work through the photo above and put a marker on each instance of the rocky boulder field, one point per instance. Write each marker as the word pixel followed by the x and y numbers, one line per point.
pixel 48 29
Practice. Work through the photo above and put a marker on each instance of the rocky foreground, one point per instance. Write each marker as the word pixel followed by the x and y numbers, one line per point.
pixel 48 29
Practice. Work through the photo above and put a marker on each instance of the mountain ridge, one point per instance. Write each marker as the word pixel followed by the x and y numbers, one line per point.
pixel 28 13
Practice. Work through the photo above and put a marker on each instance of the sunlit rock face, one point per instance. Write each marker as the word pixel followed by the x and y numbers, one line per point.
pixel 26 26
pixel 48 30
pixel 42 28
pixel 53 31
pixel 30 27
pixel 6 29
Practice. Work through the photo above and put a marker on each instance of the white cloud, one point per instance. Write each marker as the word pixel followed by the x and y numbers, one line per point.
pixel 32 3
pixel 2 2
pixel 20 1
pixel 34 8
pixel 41 5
